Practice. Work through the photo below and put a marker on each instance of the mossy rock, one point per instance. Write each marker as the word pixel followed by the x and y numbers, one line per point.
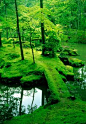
pixel 2 62
pixel 69 51
pixel 69 68
pixel 75 62
pixel 63 78
pixel 66 71
pixel 56 85
pixel 71 61
pixel 32 78
pixel 69 72
pixel 73 52
pixel 64 58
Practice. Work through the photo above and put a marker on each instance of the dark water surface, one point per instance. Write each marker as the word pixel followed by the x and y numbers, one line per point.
pixel 16 101
pixel 78 87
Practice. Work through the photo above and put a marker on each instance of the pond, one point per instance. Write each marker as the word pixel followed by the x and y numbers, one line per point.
pixel 16 101
pixel 78 87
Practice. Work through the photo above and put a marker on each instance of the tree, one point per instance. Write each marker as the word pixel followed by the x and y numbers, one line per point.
pixel 31 45
pixel 0 39
pixel 0 26
pixel 42 27
pixel 18 30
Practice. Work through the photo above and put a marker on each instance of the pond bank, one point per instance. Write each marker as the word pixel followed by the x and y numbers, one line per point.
pixel 52 69
pixel 66 111
pixel 27 74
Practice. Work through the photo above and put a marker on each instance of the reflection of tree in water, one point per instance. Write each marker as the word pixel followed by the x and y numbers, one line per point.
pixel 78 87
pixel 8 103
pixel 32 108
pixel 11 101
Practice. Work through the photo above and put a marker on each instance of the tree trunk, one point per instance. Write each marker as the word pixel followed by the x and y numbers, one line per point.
pixel 32 47
pixel 0 31
pixel 42 28
pixel 18 30
pixel 0 40
pixel 6 18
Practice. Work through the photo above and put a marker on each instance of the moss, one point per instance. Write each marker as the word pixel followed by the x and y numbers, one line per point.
pixel 75 62
pixel 30 78
pixel 73 52
pixel 21 69
pixel 69 72
pixel 65 112
pixel 68 51
pixel 28 72
pixel 2 62
pixel 13 56
pixel 63 78
pixel 66 71
pixel 56 85
pixel 69 68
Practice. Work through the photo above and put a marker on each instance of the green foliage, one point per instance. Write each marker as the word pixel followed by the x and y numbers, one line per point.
pixel 52 43
pixel 77 36
pixel 12 56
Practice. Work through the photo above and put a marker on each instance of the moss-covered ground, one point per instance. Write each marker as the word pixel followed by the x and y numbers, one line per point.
pixel 65 112
pixel 12 69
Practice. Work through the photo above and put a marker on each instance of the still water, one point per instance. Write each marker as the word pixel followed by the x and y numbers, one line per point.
pixel 78 87
pixel 16 101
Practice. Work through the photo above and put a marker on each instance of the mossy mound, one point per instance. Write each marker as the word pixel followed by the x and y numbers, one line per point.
pixel 2 62
pixel 65 112
pixel 32 80
pixel 22 71
pixel 75 62
pixel 28 74
pixel 68 51
pixel 71 61
pixel 66 72
pixel 56 85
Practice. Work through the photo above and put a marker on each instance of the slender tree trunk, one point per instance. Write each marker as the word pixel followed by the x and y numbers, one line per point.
pixel 20 107
pixel 0 31
pixel 79 13
pixel 18 30
pixel 32 100
pixel 6 18
pixel 32 46
pixel 0 40
pixel 42 28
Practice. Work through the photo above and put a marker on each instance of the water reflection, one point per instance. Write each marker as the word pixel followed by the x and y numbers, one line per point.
pixel 18 101
pixel 78 87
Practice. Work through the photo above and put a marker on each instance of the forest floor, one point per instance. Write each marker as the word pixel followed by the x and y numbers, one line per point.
pixel 65 111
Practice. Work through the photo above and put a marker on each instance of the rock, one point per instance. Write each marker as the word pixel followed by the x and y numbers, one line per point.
pixel 68 51
pixel 75 62
pixel 73 52
pixel 64 58
pixel 71 61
